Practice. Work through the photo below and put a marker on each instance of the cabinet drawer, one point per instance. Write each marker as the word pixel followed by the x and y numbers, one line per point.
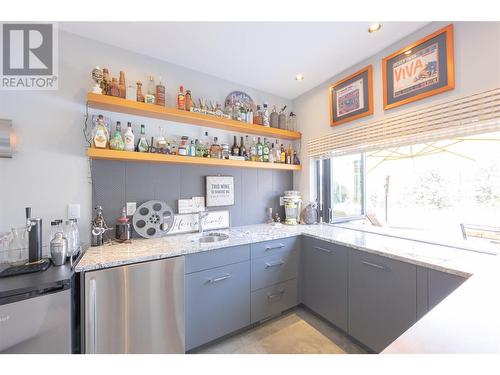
pixel 273 300
pixel 217 303
pixel 216 258
pixel 262 249
pixel 273 269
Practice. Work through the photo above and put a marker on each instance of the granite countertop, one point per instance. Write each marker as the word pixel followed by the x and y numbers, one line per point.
pixel 438 257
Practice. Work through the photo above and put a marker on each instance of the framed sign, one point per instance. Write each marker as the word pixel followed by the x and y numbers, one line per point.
pixel 220 191
pixel 352 98
pixel 419 70
pixel 186 223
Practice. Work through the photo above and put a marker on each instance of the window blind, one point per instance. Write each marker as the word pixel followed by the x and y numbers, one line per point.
pixel 473 114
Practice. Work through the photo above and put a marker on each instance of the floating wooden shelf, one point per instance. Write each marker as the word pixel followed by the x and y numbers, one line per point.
pixel 114 104
pixel 95 153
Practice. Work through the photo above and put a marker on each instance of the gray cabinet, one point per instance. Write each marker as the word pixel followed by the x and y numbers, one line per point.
pixel 441 284
pixel 324 279
pixel 217 302
pixel 382 298
pixel 432 287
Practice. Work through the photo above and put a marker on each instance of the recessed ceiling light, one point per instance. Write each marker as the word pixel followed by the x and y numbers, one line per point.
pixel 299 77
pixel 374 27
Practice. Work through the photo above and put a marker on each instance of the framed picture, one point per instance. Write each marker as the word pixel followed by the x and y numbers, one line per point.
pixel 220 191
pixel 352 98
pixel 419 70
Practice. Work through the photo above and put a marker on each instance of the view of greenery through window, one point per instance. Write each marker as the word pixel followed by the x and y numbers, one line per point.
pixel 436 186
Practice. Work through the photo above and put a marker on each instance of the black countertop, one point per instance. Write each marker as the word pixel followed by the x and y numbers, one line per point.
pixel 32 282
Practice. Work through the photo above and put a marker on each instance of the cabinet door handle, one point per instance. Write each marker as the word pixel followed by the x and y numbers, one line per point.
pixel 279 246
pixel 217 279
pixel 322 249
pixel 374 265
pixel 278 294
pixel 93 316
pixel 275 264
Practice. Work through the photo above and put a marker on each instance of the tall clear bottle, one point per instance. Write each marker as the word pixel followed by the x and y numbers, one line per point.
pixel 265 116
pixel 129 138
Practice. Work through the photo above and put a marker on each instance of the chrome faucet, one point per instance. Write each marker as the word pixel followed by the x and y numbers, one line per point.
pixel 201 215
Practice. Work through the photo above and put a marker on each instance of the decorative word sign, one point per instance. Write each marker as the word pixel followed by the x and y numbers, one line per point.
pixel 185 223
pixel 220 191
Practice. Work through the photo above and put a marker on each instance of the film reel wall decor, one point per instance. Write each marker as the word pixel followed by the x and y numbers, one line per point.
pixel 153 219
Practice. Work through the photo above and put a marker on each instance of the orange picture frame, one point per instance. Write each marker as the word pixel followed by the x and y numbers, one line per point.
pixel 450 68
pixel 369 110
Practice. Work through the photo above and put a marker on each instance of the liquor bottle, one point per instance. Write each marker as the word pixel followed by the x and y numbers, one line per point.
pixel 265 151
pixel 289 154
pixel 192 149
pixel 273 118
pixel 114 90
pixel 121 85
pixel 101 136
pixel 206 145
pixel 235 150
pixel 188 100
pixel 160 94
pixel 129 138
pixel 259 148
pixel 272 154
pixel 257 116
pixel 150 96
pixel 265 116
pixel 282 154
pixel 215 151
pixel 249 118
pixel 253 150
pixel 106 82
pixel 277 155
pixel 243 150
pixel 142 145
pixel 296 160
pixel 181 100
pixel 116 143
pixel 139 95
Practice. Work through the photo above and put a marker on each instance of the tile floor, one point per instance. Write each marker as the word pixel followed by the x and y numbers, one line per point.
pixel 296 332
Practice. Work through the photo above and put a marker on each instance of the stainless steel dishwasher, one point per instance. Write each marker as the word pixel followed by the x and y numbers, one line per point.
pixel 137 308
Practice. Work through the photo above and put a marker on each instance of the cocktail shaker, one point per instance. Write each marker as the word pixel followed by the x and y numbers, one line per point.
pixel 58 249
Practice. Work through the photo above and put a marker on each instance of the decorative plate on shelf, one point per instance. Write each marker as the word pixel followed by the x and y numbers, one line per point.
pixel 240 97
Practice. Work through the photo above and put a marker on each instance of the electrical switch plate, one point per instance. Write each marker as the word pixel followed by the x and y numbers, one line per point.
pixel 131 207
pixel 73 211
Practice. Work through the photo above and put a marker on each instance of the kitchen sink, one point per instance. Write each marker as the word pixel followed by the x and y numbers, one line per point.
pixel 213 237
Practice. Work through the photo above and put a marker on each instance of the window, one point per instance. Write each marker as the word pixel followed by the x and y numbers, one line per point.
pixel 436 188
pixel 341 187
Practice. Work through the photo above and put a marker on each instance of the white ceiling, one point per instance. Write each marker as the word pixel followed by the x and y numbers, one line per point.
pixel 265 56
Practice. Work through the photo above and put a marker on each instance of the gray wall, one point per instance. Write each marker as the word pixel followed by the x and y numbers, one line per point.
pixel 115 183
pixel 50 168
pixel 477 68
